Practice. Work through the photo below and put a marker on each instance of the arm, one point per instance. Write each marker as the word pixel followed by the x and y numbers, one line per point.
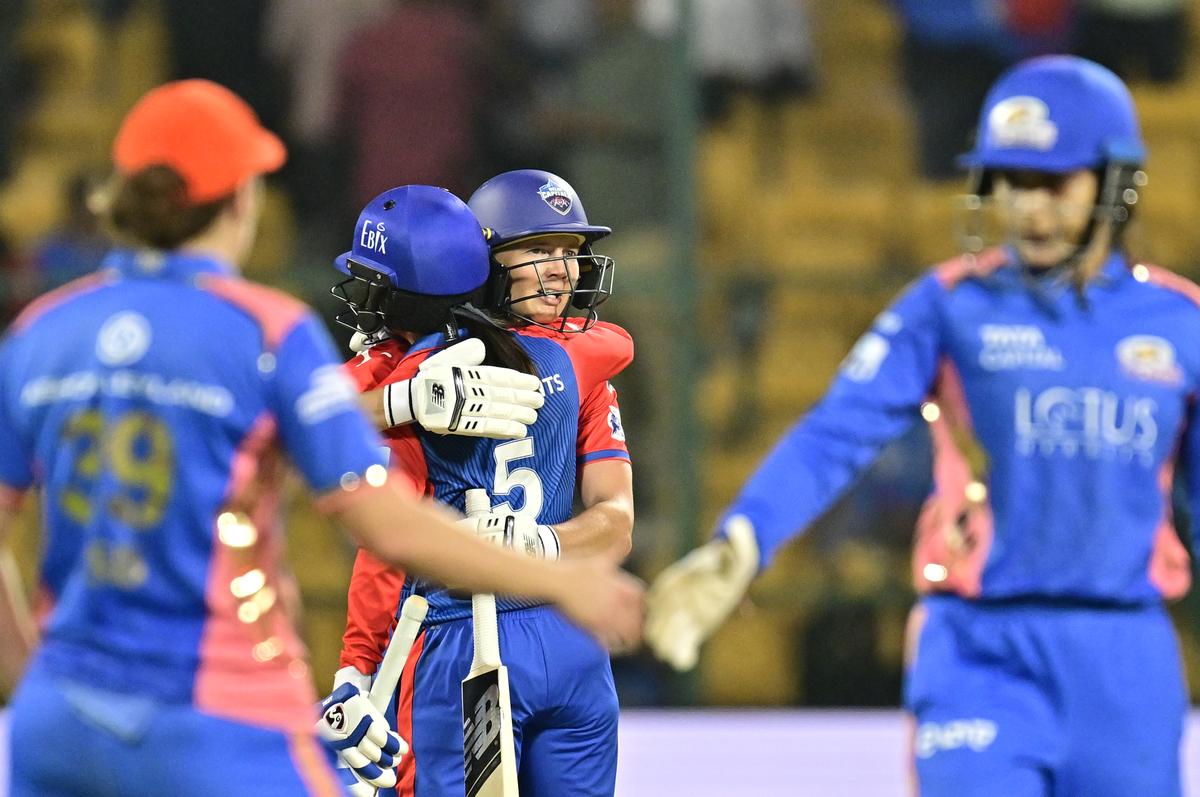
pixel 371 605
pixel 477 400
pixel 420 537
pixel 605 526
pixel 875 398
pixel 17 627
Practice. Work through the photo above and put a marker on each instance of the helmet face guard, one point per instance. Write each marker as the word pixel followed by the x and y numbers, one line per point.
pixel 585 292
pixel 364 293
pixel 530 203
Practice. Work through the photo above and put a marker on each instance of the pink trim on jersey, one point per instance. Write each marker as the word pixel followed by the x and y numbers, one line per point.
pixel 951 532
pixel 11 497
pixel 1156 275
pixel 312 765
pixel 406 773
pixel 48 301
pixel 256 671
pixel 1170 567
pixel 276 312
pixel 957 269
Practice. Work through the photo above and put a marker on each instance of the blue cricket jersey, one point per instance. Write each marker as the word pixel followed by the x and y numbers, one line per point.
pixel 1072 410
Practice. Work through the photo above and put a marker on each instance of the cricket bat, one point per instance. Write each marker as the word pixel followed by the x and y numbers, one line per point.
pixel 489 754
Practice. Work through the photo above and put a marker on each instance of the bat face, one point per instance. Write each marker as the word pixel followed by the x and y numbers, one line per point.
pixel 489 759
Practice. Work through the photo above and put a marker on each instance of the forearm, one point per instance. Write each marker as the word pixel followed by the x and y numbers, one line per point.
pixel 604 528
pixel 372 404
pixel 421 538
pixel 17 627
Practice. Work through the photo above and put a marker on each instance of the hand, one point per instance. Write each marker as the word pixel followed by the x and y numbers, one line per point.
pixel 603 599
pixel 453 394
pixel 691 598
pixel 517 533
pixel 361 736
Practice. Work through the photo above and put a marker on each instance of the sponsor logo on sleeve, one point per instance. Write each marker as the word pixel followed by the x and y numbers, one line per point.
pixel 329 393
pixel 863 361
pixel 614 423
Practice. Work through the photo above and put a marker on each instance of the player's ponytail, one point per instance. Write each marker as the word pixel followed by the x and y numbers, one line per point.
pixel 150 208
pixel 503 348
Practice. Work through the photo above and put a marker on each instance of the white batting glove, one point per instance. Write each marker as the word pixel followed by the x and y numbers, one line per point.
pixel 453 394
pixel 691 598
pixel 517 533
pixel 361 736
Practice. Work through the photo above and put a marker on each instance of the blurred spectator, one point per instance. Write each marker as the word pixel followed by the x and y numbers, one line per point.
pixel 12 79
pixel 610 126
pixel 763 47
pixel 303 40
pixel 222 40
pixel 1137 39
pixel 952 52
pixel 16 286
pixel 76 247
pixel 410 93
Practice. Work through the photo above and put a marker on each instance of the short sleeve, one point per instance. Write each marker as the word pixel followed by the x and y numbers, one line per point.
pixel 601 433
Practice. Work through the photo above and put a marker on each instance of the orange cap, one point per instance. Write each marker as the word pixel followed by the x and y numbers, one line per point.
pixel 203 131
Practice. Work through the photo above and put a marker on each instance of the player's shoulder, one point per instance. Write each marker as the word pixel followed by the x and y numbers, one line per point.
pixel 379 363
pixel 599 352
pixel 45 304
pixel 275 312
pixel 1172 285
pixel 965 268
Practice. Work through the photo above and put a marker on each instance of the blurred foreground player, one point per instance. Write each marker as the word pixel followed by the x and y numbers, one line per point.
pixel 151 404
pixel 1059 377
pixel 540 284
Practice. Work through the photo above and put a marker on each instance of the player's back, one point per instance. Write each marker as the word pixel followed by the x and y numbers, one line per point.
pixel 534 476
pixel 150 397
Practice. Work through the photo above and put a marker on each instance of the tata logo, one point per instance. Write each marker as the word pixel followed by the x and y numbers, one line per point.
pixel 864 360
pixel 975 735
pixel 556 197
pixel 1012 346
pixel 373 238
pixel 1149 358
pixel 1087 422
pixel 1022 122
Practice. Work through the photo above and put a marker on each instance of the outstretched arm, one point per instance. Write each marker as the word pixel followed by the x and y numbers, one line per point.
pixel 17 627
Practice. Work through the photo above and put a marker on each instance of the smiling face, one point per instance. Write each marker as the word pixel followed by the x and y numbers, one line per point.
pixel 542 273
pixel 1046 215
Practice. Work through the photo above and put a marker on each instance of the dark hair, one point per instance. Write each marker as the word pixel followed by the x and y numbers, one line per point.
pixel 150 208
pixel 503 348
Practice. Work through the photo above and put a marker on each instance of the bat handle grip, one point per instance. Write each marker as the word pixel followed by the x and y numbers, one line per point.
pixel 477 502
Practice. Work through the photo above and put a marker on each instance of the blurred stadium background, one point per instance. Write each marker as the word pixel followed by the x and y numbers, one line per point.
pixel 774 171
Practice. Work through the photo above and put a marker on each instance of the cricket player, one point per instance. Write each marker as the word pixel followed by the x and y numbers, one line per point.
pixel 1059 375
pixel 541 270
pixel 151 403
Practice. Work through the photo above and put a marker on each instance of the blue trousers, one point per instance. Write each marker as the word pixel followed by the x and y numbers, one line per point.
pixel 564 707
pixel 1044 700
pixel 71 739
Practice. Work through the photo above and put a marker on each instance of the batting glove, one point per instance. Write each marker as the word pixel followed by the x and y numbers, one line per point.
pixel 517 533
pixel 691 598
pixel 453 394
pixel 361 736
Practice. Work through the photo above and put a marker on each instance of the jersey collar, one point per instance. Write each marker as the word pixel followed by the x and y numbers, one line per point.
pixel 156 264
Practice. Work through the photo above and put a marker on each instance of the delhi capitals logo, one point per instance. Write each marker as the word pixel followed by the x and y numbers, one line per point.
pixel 556 197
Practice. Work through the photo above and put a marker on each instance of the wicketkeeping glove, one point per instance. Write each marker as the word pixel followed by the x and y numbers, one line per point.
pixel 361 736
pixel 453 394
pixel 691 598
pixel 517 533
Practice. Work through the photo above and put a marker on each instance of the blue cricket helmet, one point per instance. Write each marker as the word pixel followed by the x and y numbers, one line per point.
pixel 1057 114
pixel 418 253
pixel 423 239
pixel 528 202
